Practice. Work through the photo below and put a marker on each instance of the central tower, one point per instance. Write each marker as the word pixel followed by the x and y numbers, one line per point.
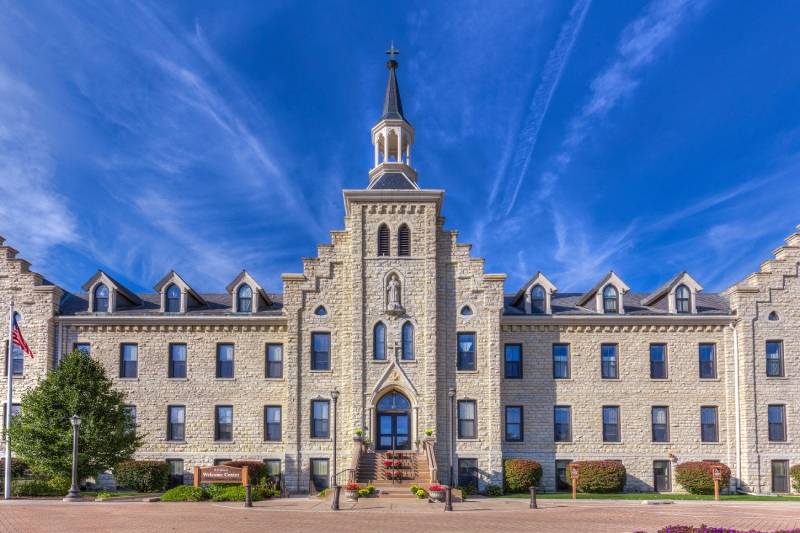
pixel 392 138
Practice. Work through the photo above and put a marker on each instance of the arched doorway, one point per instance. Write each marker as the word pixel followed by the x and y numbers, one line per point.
pixel 393 422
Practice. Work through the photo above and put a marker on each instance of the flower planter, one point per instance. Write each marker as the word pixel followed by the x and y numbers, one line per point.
pixel 437 495
pixel 351 495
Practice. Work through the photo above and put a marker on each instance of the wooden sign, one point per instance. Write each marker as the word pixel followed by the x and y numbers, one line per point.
pixel 575 472
pixel 717 471
pixel 220 474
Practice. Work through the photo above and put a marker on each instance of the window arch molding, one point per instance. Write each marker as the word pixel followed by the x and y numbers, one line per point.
pixel 172 298
pixel 407 347
pixel 379 341
pixel 244 298
pixel 610 297
pixel 538 300
pixel 101 296
pixel 683 299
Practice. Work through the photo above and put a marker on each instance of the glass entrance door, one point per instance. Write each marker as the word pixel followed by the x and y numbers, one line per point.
pixel 394 432
pixel 661 476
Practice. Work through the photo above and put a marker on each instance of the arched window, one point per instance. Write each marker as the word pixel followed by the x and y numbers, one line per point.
pixel 383 240
pixel 682 299
pixel 407 337
pixel 173 303
pixel 101 299
pixel 610 299
pixel 244 299
pixel 403 241
pixel 538 302
pixel 320 311
pixel 379 342
pixel 394 401
pixel 466 311
pixel 773 316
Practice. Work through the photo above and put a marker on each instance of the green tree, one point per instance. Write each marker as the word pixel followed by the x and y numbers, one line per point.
pixel 42 434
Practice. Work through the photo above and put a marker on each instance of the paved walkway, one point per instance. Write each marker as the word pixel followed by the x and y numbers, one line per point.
pixel 376 515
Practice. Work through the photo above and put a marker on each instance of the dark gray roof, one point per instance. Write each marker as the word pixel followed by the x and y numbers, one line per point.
pixel 567 304
pixel 392 105
pixel 216 304
pixel 392 180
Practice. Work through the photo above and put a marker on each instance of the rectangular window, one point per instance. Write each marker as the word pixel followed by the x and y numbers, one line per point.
pixel 708 361
pixel 658 361
pixel 82 347
pixel 662 479
pixel 660 421
pixel 708 424
pixel 319 419
pixel 562 423
pixel 176 422
pixel 273 472
pixel 319 473
pixel 775 359
pixel 177 360
pixel 225 360
pixel 780 476
pixel 17 360
pixel 466 352
pixel 608 361
pixel 561 367
pixel 320 351
pixel 272 423
pixel 223 423
pixel 563 481
pixel 274 365
pixel 776 414
pixel 514 425
pixel 467 419
pixel 15 407
pixel 130 412
pixel 129 361
pixel 468 473
pixel 513 354
pixel 175 472
pixel 611 424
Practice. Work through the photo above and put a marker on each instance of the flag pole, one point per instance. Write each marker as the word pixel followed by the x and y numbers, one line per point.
pixel 9 397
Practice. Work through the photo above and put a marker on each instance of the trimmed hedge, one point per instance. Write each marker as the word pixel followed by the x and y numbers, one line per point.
pixel 697 477
pixel 493 490
pixel 40 487
pixel 794 472
pixel 19 468
pixel 520 475
pixel 142 476
pixel 599 476
pixel 184 493
pixel 257 470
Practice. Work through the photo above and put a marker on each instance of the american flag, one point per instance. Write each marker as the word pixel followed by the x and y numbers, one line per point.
pixel 17 338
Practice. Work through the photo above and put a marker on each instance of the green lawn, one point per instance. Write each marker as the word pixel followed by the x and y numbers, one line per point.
pixel 655 496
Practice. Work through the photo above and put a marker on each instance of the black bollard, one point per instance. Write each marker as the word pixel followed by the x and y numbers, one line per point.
pixel 533 498
pixel 335 503
pixel 448 499
pixel 248 495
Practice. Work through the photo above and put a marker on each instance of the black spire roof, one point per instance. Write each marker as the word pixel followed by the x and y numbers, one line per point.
pixel 392 105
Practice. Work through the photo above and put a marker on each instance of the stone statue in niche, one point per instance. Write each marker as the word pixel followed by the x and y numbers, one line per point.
pixel 393 297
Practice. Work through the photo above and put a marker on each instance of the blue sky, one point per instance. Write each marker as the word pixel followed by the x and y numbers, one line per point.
pixel 571 137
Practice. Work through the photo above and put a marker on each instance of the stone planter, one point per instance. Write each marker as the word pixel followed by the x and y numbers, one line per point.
pixel 437 495
pixel 351 495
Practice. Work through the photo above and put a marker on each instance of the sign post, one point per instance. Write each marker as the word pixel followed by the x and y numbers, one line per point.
pixel 574 472
pixel 717 473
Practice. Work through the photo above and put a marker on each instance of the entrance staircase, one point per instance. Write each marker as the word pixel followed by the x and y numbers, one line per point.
pixel 381 469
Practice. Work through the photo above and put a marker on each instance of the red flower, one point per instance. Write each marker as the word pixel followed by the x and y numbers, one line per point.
pixel 351 486
pixel 387 463
pixel 436 488
pixel 398 464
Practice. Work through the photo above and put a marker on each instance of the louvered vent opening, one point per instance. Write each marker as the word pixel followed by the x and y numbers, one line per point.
pixel 383 240
pixel 404 241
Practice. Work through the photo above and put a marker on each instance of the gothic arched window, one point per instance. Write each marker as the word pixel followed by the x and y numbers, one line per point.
pixel 101 299
pixel 244 299
pixel 403 241
pixel 466 311
pixel 383 240
pixel 407 337
pixel 320 311
pixel 538 300
pixel 173 301
pixel 682 299
pixel 610 299
pixel 379 342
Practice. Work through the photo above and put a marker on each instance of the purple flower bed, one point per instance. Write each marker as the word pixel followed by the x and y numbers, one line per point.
pixel 706 529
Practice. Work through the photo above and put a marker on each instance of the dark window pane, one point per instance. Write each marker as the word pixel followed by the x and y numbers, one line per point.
pixel 319 473
pixel 379 342
pixel 780 476
pixel 83 347
pixel 682 300
pixel 610 299
pixel 514 424
pixel 708 361
pixel 468 473
pixel 774 358
pixel 513 361
pixel 561 361
pixel 466 352
pixel 272 423
pixel 101 299
pixel 177 360
pixel 777 423
pixel 320 351
pixel 225 360
pixel 562 424
pixel 658 361
pixel 611 424
pixel 173 300
pixel 274 361
pixel 467 419
pixel 708 423
pixel 175 472
pixel 538 300
pixel 129 361
pixel 660 421
pixel 224 423
pixel 562 480
pixel 608 355
pixel 244 299
pixel 408 341
pixel 176 422
pixel 319 419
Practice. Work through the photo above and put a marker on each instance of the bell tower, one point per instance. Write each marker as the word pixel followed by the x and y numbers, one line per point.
pixel 392 138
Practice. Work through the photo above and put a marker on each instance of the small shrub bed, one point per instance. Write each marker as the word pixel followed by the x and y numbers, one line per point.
pixel 184 493
pixel 39 487
pixel 697 477
pixel 519 475
pixel 493 490
pixel 19 468
pixel 220 492
pixel 794 472
pixel 142 476
pixel 599 476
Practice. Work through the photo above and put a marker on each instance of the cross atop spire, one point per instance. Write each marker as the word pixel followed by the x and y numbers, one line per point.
pixel 392 51
pixel 392 105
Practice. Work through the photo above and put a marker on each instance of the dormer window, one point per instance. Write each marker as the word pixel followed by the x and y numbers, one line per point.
pixel 538 300
pixel 101 299
pixel 173 299
pixel 683 300
pixel 610 299
pixel 244 299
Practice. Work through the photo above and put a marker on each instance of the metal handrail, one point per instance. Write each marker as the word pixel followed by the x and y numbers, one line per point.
pixel 345 476
pixel 430 453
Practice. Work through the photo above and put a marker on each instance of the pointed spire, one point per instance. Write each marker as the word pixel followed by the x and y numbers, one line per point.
pixel 392 105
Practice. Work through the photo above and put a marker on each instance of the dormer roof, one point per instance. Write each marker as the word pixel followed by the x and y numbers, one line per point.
pixel 537 279
pixel 611 278
pixel 101 276
pixel 245 277
pixel 174 277
pixel 682 278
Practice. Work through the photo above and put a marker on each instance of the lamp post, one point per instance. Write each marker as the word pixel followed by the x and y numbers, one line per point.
pixel 336 487
pixel 72 495
pixel 448 499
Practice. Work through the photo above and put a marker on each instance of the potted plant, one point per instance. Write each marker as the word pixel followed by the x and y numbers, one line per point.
pixel 359 435
pixel 388 463
pixel 429 433
pixel 436 492
pixel 351 491
pixel 398 463
pixel 396 474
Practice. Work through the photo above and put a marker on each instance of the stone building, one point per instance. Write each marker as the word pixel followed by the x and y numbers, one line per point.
pixel 395 313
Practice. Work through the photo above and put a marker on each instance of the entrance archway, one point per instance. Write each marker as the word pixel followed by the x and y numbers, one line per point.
pixel 393 422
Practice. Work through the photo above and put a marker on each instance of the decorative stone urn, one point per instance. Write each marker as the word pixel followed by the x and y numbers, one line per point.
pixel 436 492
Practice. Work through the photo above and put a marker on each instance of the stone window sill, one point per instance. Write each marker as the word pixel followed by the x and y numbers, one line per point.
pixel 661 380
pixel 274 379
pixel 127 379
pixel 178 379
pixel 380 361
pixel 467 371
pixel 407 361
pixel 710 379
pixel 222 442
pixel 321 371
pixel 778 378
pixel 613 443
pixel 168 441
pixel 320 439
pixel 225 379
pixel 715 443
pixel 611 379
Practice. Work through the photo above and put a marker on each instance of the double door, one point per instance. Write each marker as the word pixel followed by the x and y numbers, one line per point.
pixel 394 431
